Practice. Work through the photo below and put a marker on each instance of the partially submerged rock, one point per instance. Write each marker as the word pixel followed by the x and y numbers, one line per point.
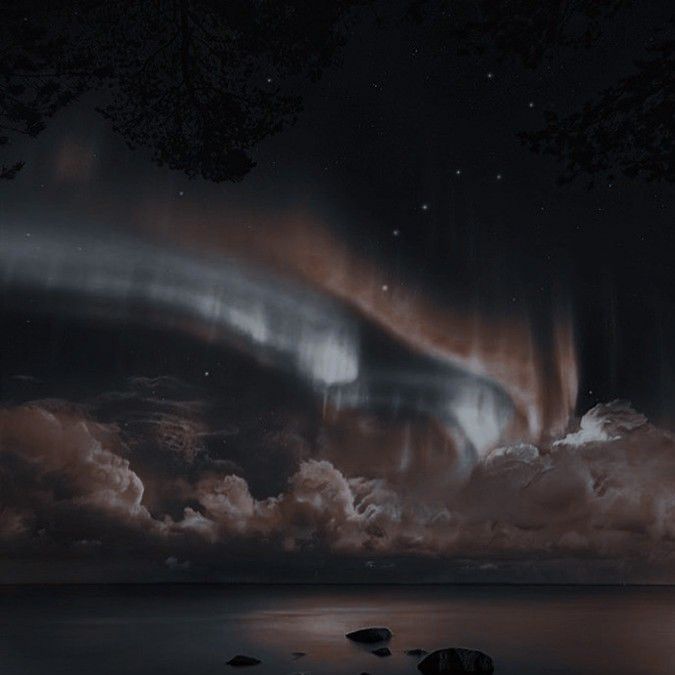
pixel 370 635
pixel 416 652
pixel 243 660
pixel 456 660
pixel 382 651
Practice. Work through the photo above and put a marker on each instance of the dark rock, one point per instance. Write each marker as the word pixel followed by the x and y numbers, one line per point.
pixel 241 660
pixel 416 652
pixel 298 655
pixel 382 651
pixel 456 660
pixel 370 635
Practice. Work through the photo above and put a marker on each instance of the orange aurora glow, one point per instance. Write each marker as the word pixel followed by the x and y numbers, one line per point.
pixel 539 375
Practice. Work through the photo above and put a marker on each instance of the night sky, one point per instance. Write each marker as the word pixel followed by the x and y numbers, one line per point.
pixel 397 350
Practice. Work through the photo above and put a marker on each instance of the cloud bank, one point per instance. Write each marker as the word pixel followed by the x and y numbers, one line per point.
pixel 604 491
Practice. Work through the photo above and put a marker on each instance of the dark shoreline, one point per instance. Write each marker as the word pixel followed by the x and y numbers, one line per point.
pixel 337 584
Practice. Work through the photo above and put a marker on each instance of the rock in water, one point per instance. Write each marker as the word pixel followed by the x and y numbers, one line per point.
pixel 456 660
pixel 382 651
pixel 241 660
pixel 370 635
pixel 416 652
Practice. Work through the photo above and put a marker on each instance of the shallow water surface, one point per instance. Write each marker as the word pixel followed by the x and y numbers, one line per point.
pixel 195 629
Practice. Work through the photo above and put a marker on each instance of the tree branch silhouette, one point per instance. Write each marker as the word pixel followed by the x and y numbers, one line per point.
pixel 628 129
pixel 198 83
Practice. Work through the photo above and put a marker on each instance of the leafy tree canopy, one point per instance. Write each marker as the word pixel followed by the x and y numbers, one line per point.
pixel 200 82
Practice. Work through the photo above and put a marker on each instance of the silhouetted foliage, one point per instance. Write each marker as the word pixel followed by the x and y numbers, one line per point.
pixel 32 86
pixel 628 129
pixel 530 30
pixel 9 172
pixel 198 82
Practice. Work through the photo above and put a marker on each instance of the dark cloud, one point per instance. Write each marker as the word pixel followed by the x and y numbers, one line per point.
pixel 73 461
pixel 603 492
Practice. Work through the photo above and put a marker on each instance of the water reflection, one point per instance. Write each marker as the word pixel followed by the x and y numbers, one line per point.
pixel 172 630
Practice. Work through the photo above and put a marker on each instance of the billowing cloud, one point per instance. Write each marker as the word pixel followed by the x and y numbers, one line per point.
pixel 612 494
pixel 70 460
pixel 12 523
pixel 604 491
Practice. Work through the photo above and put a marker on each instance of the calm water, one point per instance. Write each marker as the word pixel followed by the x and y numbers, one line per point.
pixel 193 630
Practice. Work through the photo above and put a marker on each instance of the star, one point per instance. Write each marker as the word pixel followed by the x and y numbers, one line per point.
pixel 181 193
pixel 458 172
pixel 530 104
pixel 490 75
pixel 396 233
pixel 425 207
pixel 385 288
pixel 206 373
pixel 499 176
